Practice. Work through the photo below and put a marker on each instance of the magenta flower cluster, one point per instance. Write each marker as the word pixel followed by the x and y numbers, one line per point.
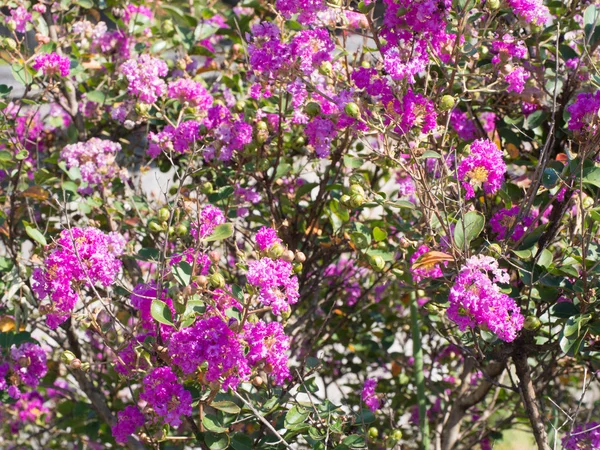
pixel 52 64
pixel 190 92
pixel 27 365
pixel 369 397
pixel 476 300
pixel 166 396
pixel 81 257
pixel 228 357
pixel 128 422
pixel 143 75
pixel 277 287
pixel 583 111
pixel 484 168
pixel 266 238
pixel 584 436
pixel 21 17
pixel 504 219
pixel 208 219
pixel 531 11
pixel 95 159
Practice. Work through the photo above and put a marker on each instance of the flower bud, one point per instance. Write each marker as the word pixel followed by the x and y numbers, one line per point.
pixel 257 381
pixel 207 187
pixel 312 109
pixel 495 249
pixel 142 109
pixel 352 110
pixel 214 256
pixel 377 263
pixel 216 281
pixel 345 200
pixel 493 4
pixel 447 103
pixel 262 126
pixel 275 251
pixel 288 256
pixel 298 268
pixel 357 189
pixel 163 214
pixel 67 356
pixel 326 68
pixel 75 364
pixel 154 226
pixel 396 435
pixel 202 281
pixel 11 25
pixel 285 315
pixel 168 27
pixel 531 323
pixel 373 433
pixel 356 201
pixel 181 230
pixel 300 257
pixel 240 105
pixel 10 43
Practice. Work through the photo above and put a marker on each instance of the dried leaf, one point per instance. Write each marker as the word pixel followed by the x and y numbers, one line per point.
pixel 432 258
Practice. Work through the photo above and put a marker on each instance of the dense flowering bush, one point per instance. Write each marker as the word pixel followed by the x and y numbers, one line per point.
pixel 300 224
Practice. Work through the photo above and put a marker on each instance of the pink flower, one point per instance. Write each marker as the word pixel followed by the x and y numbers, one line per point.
pixel 190 91
pixel 52 64
pixel 21 17
pixel 143 75
pixel 266 238
pixel 504 219
pixel 128 421
pixel 531 11
pixel 369 396
pixel 277 287
pixel 209 218
pixel 476 300
pixel 165 394
pixel 484 167
pixel 516 80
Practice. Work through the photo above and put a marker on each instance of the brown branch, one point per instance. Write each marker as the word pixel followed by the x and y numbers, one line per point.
pixel 529 399
pixel 451 429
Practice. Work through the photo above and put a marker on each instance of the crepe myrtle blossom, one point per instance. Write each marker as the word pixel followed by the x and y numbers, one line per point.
pixel 266 238
pixel 52 64
pixel 208 219
pixel 128 422
pixel 476 300
pixel 484 168
pixel 504 219
pixel 166 396
pixel 369 396
pixel 143 77
pixel 80 257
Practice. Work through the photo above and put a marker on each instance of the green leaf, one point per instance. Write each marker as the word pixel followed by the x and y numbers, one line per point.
pixel 405 204
pixel 183 273
pixel 361 240
pixel 161 312
pixel 96 96
pixel 591 20
pixel 430 154
pixel 7 340
pixel 241 441
pixel 226 406
pixel 221 232
pixel 21 74
pixel 379 234
pixel 354 441
pixel 238 293
pixel 353 163
pixel 591 175
pixel 36 235
pixel 211 423
pixel 545 259
pixel 535 119
pixel 295 416
pixel 216 441
pixel 148 254
pixel 468 228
